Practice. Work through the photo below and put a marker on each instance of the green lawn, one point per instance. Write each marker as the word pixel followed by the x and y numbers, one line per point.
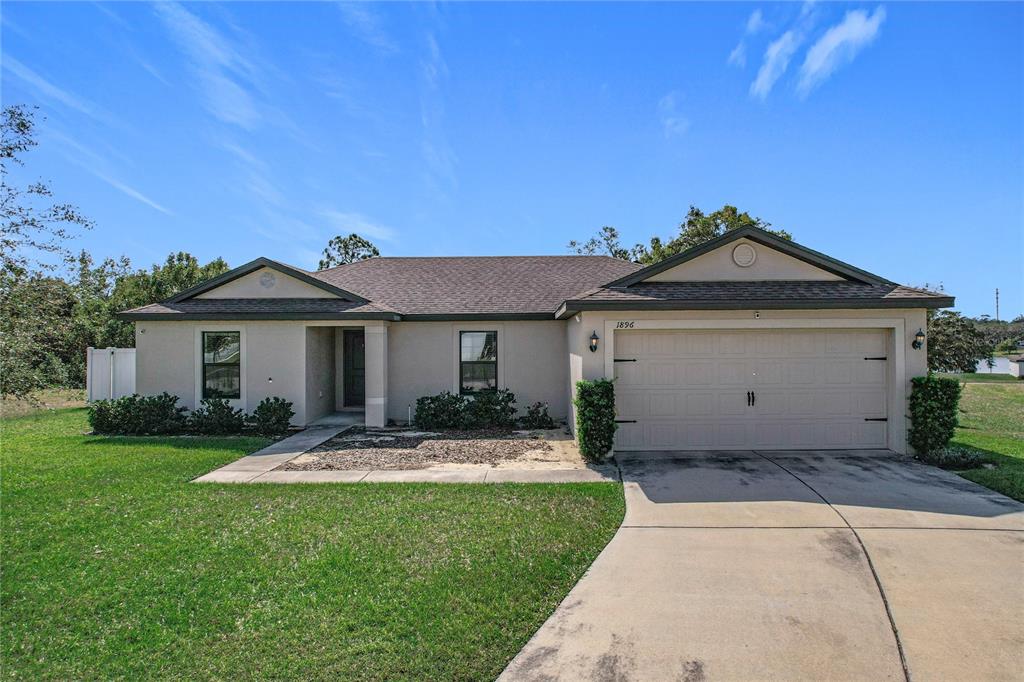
pixel 114 566
pixel 984 378
pixel 992 420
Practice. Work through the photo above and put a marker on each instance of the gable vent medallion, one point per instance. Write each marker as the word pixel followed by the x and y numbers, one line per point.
pixel 267 280
pixel 744 255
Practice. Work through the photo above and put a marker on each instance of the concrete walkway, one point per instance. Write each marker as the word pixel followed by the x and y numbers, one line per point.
pixel 794 566
pixel 259 467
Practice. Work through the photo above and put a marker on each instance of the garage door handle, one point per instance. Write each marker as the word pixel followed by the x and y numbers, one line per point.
pixel 876 419
pixel 625 360
pixel 878 358
pixel 625 421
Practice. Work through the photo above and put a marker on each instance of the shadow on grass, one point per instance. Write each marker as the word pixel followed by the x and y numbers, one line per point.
pixel 247 443
pixel 1007 477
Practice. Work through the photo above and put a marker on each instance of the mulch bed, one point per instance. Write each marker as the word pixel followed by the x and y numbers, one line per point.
pixel 362 449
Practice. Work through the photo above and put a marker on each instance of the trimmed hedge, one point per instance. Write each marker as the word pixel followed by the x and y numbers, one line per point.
pixel 136 415
pixel 934 402
pixel 482 410
pixel 595 418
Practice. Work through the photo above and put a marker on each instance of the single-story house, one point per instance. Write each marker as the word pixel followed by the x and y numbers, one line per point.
pixel 746 341
pixel 1017 366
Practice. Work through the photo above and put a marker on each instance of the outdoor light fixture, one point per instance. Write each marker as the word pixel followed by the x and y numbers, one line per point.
pixel 918 340
pixel 593 342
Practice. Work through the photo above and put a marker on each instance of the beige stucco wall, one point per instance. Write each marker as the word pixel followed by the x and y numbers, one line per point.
pixel 718 265
pixel 280 286
pixel 320 373
pixel 423 359
pixel 586 365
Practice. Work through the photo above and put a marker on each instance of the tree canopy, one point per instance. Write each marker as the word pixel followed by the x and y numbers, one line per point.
pixel 955 344
pixel 342 250
pixel 695 229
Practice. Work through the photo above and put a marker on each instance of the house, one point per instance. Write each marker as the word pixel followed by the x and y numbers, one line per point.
pixel 1017 366
pixel 746 341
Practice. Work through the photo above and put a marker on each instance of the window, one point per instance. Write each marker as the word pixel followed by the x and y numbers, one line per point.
pixel 222 353
pixel 478 361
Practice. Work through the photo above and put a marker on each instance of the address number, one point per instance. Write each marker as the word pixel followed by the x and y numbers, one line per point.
pixel 624 324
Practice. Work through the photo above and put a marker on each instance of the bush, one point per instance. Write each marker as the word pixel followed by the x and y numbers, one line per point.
pixel 490 409
pixel 444 411
pixel 215 416
pixel 537 417
pixel 953 457
pixel 272 417
pixel 135 415
pixel 595 418
pixel 933 408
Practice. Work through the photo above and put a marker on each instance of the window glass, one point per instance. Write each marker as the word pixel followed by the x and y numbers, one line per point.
pixel 222 354
pixel 478 361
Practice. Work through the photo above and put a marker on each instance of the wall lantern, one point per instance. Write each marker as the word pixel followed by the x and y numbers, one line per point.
pixel 593 342
pixel 918 340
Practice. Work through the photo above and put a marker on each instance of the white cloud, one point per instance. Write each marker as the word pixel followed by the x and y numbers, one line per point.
pixel 839 45
pixel 132 192
pixel 738 56
pixel 776 61
pixel 756 22
pixel 673 124
pixel 51 91
pixel 438 155
pixel 366 24
pixel 218 65
pixel 346 223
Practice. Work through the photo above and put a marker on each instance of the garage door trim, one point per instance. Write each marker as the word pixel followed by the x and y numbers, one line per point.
pixel 895 404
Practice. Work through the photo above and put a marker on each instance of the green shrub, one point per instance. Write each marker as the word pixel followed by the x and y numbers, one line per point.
pixel 215 416
pixel 595 418
pixel 272 417
pixel 953 457
pixel 443 411
pixel 490 409
pixel 537 417
pixel 134 415
pixel 933 408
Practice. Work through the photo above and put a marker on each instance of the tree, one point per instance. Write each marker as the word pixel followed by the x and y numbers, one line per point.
pixel 696 228
pixel 955 344
pixel 34 225
pixel 342 250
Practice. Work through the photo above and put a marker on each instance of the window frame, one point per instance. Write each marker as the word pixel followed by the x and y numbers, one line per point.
pixel 204 364
pixel 461 363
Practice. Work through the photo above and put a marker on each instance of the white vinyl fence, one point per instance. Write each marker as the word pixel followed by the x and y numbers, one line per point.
pixel 110 373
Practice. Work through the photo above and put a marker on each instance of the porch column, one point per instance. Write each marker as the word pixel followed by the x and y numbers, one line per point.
pixel 376 339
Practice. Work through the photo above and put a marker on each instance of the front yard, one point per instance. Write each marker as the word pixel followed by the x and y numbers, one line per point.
pixel 115 566
pixel 992 420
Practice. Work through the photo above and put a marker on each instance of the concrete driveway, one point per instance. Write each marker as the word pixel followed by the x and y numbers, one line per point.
pixel 798 565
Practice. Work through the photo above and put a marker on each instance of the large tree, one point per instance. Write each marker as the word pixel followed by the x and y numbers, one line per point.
pixel 35 227
pixel 955 344
pixel 695 229
pixel 342 250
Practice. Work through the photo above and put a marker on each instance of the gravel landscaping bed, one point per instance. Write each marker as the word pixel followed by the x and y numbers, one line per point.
pixel 392 449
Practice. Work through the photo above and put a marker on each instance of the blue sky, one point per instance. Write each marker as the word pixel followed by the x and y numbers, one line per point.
pixel 888 135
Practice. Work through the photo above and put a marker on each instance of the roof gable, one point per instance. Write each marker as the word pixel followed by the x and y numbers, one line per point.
pixel 760 256
pixel 265 279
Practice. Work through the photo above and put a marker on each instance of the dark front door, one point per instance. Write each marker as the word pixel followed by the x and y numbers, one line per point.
pixel 355 368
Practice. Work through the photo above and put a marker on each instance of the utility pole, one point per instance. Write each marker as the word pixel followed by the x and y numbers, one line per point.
pixel 997 304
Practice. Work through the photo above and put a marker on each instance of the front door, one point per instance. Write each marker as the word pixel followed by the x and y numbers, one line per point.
pixel 354 368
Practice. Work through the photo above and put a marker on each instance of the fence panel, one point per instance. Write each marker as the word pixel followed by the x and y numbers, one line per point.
pixel 110 373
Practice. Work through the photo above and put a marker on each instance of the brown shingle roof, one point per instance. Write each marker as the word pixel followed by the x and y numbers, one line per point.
pixel 259 308
pixel 832 294
pixel 476 284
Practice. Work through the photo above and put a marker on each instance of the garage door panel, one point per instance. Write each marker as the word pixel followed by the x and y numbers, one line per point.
pixel 813 388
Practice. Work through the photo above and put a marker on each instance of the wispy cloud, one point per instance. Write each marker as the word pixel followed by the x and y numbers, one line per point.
pixel 673 124
pixel 438 154
pixel 52 92
pixel 346 223
pixel 366 25
pixel 223 73
pixel 776 61
pixel 839 45
pixel 131 191
pixel 755 24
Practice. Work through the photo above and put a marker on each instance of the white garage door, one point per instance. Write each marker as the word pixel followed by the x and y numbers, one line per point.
pixel 758 389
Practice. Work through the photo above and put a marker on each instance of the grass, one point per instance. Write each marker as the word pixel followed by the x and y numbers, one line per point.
pixel 984 378
pixel 46 399
pixel 992 421
pixel 115 566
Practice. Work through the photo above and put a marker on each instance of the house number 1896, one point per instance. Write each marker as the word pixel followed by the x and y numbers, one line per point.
pixel 624 324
